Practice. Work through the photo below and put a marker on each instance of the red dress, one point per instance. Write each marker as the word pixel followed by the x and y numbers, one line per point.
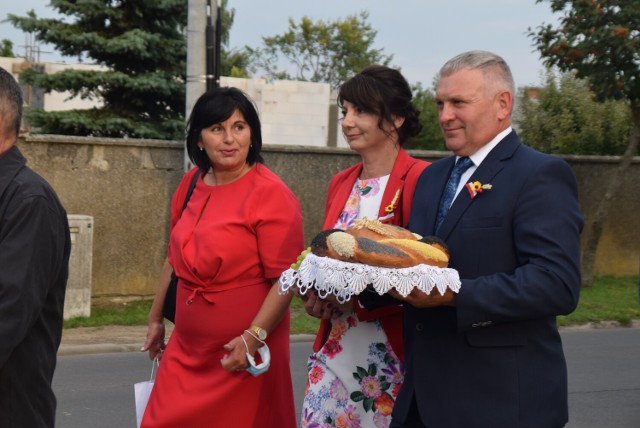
pixel 226 248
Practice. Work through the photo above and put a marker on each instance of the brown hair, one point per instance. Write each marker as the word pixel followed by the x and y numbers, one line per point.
pixel 383 91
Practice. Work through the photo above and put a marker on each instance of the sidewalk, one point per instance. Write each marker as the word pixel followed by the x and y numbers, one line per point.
pixel 116 338
pixel 120 338
pixel 95 340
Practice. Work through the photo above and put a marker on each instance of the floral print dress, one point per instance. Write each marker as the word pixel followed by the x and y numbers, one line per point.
pixel 355 377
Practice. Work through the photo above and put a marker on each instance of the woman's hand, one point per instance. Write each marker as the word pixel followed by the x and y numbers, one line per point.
pixel 420 299
pixel 324 308
pixel 155 340
pixel 317 307
pixel 155 332
pixel 236 359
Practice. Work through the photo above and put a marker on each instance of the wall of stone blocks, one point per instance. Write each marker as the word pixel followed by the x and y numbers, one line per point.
pixel 126 187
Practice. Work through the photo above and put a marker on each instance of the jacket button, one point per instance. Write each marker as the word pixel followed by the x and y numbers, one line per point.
pixel 419 327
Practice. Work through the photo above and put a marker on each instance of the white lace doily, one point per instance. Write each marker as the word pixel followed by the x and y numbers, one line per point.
pixel 344 279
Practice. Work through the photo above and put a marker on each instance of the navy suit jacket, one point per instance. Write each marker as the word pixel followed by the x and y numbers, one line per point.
pixel 496 360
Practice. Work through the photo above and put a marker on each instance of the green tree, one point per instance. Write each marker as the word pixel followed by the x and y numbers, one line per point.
pixel 319 51
pixel 142 46
pixel 562 117
pixel 598 40
pixel 6 48
pixel 234 62
pixel 430 138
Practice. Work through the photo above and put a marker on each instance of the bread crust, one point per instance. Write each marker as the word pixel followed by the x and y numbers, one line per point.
pixel 376 253
pixel 376 244
pixel 421 252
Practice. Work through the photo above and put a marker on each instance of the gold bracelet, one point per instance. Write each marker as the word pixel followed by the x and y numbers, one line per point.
pixel 255 337
pixel 245 343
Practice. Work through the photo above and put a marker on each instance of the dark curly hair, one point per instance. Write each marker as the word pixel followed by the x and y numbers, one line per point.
pixel 383 91
pixel 215 106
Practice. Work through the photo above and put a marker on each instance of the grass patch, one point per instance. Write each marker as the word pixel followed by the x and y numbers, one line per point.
pixel 301 323
pixel 136 312
pixel 609 299
pixel 130 313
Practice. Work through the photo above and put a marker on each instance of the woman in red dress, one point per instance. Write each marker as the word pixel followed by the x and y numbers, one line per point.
pixel 241 228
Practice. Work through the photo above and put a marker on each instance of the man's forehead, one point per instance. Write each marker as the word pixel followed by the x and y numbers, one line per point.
pixel 465 80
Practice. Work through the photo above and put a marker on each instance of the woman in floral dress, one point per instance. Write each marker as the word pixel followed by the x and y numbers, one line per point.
pixel 355 371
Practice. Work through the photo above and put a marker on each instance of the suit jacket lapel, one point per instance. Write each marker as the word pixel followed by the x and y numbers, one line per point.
pixel 435 177
pixel 488 169
pixel 395 187
pixel 339 198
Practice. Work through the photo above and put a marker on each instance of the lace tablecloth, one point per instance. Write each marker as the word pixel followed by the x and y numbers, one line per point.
pixel 344 279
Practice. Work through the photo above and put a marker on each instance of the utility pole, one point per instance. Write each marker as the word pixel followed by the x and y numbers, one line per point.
pixel 200 17
pixel 213 40
pixel 196 66
pixel 218 63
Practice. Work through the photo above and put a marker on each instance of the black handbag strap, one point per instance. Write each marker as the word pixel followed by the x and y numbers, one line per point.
pixel 192 186
pixel 169 306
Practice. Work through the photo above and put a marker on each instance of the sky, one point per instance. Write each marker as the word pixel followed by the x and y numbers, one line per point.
pixel 420 34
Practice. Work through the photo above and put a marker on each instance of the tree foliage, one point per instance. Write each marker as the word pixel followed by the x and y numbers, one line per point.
pixel 142 45
pixel 563 117
pixel 598 40
pixel 6 48
pixel 430 138
pixel 319 51
pixel 234 62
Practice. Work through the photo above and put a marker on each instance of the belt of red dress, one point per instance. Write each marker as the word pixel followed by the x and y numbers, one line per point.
pixel 209 290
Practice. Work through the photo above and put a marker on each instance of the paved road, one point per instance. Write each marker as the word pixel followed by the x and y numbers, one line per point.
pixel 604 382
pixel 604 378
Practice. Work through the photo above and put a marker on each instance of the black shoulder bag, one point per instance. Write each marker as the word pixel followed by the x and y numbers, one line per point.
pixel 169 306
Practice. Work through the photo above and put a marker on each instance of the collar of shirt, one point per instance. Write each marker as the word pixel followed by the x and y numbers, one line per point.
pixel 479 156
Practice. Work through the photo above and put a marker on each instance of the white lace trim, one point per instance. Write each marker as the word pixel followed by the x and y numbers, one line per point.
pixel 344 279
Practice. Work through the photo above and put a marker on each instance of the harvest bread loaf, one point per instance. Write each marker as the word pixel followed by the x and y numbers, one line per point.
pixel 373 243
pixel 371 255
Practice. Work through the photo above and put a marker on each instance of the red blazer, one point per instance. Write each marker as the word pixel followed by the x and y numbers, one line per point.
pixel 401 184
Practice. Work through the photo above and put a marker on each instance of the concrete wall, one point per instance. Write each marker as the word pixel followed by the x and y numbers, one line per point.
pixel 126 186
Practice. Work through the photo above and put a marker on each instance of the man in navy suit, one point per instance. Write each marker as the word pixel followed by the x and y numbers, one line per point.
pixel 491 356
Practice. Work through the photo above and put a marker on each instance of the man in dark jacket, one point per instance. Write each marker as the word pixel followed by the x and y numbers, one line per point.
pixel 491 355
pixel 34 258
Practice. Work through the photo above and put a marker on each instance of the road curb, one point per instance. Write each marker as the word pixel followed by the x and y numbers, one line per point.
pixel 106 348
pixel 98 348
pixel 103 348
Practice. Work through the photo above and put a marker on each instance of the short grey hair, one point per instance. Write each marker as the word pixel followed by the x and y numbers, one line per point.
pixel 492 66
pixel 10 103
